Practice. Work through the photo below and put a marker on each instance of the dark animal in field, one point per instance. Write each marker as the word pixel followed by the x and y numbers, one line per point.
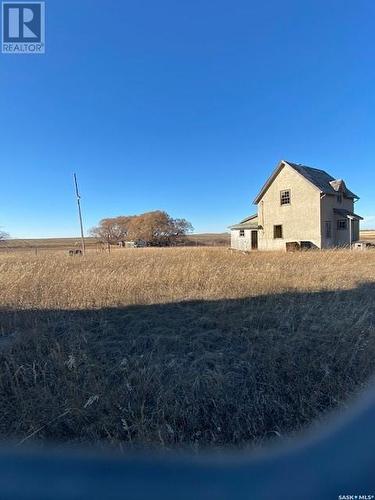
pixel 76 251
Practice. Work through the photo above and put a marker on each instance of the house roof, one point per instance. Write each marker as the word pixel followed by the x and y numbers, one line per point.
pixel 250 217
pixel 338 185
pixel 318 178
pixel 346 213
pixel 250 222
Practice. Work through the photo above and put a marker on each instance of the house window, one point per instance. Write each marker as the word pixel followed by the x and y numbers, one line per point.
pixel 285 197
pixel 328 229
pixel 242 233
pixel 277 232
pixel 342 224
pixel 339 198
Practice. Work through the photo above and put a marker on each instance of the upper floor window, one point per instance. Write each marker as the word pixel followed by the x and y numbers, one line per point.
pixel 339 198
pixel 285 197
pixel 242 232
pixel 277 232
pixel 342 224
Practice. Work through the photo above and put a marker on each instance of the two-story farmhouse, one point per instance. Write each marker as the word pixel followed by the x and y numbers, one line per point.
pixel 300 206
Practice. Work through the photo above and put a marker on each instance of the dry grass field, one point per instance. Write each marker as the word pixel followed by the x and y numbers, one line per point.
pixel 39 246
pixel 190 347
pixel 368 234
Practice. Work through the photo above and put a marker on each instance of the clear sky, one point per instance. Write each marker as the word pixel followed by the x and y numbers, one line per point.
pixel 185 106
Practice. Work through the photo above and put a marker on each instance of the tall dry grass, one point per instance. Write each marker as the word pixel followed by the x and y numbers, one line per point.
pixel 151 276
pixel 183 346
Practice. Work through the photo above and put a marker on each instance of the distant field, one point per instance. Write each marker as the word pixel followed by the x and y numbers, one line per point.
pixel 41 245
pixel 209 239
pixel 189 347
pixel 368 234
pixel 45 244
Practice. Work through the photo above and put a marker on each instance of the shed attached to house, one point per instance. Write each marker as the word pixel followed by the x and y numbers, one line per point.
pixel 244 235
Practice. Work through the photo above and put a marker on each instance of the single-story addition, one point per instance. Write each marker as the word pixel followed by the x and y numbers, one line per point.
pixel 244 235
pixel 299 207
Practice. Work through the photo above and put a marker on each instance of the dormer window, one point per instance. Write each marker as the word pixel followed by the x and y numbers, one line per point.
pixel 339 198
pixel 285 197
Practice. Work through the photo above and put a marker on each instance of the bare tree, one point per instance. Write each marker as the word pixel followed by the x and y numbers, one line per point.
pixel 158 228
pixel 155 228
pixel 111 230
pixel 3 235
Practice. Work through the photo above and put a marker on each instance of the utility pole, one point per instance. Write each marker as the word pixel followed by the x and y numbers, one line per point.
pixel 80 215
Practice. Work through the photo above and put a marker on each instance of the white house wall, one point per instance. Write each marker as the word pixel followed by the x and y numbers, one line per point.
pixel 241 242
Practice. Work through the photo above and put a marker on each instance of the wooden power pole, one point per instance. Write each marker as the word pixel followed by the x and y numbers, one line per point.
pixel 80 214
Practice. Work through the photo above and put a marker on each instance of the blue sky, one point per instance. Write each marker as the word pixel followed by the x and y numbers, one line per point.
pixel 183 106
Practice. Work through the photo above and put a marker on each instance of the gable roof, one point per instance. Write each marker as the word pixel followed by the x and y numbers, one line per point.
pixel 250 222
pixel 338 185
pixel 249 218
pixel 318 178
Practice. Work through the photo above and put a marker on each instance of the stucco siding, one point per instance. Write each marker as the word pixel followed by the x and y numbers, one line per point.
pixel 241 242
pixel 339 237
pixel 300 204
pixel 300 220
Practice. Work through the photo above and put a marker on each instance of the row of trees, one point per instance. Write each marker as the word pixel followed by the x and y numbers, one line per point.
pixel 154 228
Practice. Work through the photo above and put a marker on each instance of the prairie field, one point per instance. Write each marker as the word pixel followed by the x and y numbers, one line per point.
pixel 189 347
pixel 37 246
